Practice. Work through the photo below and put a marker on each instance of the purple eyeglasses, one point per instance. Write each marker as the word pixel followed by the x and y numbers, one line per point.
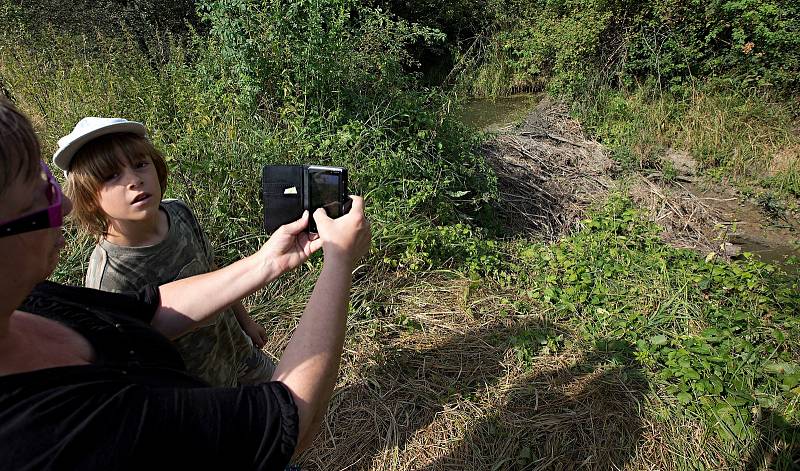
pixel 41 219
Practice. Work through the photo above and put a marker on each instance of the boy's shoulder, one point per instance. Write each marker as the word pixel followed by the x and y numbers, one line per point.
pixel 184 223
pixel 98 261
pixel 176 205
pixel 180 212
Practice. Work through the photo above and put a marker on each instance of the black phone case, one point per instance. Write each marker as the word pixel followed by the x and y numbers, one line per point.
pixel 282 191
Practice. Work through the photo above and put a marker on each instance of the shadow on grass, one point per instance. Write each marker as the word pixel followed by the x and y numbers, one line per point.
pixel 486 399
pixel 778 445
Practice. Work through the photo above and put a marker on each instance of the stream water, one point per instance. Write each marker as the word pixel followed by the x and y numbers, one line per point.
pixel 491 114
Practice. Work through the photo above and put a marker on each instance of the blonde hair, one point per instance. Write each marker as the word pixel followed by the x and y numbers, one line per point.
pixel 90 166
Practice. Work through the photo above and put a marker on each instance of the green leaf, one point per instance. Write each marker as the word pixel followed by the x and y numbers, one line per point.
pixel 791 381
pixel 659 340
pixel 689 373
pixel 782 368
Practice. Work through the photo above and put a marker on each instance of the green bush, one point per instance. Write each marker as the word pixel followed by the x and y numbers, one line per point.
pixel 329 76
pixel 559 43
pixel 755 41
pixel 324 54
pixel 566 43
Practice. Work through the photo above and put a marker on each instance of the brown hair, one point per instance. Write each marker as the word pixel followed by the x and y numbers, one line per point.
pixel 20 152
pixel 93 162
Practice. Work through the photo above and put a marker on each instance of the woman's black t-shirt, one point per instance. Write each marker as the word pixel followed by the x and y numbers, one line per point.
pixel 135 406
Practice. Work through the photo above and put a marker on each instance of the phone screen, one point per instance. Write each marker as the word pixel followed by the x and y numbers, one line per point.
pixel 324 191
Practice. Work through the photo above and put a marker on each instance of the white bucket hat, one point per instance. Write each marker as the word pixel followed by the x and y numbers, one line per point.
pixel 88 129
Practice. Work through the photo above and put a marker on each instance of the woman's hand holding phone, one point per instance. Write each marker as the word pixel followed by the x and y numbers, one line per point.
pixel 346 238
pixel 290 245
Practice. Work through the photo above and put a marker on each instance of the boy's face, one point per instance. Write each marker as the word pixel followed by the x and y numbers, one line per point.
pixel 133 193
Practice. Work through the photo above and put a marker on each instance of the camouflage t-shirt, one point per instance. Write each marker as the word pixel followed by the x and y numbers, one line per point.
pixel 213 352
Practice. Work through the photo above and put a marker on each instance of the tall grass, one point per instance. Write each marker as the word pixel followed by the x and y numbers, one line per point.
pixel 729 131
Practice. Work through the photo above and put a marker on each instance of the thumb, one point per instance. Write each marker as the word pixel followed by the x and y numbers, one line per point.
pixel 296 227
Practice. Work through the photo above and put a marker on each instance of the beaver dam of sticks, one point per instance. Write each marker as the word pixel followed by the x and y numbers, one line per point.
pixel 550 173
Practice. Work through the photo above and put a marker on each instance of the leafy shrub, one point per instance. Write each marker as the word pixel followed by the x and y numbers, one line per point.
pixel 329 76
pixel 568 42
pixel 755 41
pixel 557 42
pixel 323 54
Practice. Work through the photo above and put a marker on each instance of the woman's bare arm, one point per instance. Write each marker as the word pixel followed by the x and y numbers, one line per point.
pixel 191 302
pixel 309 365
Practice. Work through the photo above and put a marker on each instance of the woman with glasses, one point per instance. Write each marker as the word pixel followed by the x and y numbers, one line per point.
pixel 90 380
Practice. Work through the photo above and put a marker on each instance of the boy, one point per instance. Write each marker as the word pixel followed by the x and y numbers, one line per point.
pixel 116 178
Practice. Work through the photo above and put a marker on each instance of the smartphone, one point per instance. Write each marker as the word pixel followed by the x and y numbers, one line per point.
pixel 327 188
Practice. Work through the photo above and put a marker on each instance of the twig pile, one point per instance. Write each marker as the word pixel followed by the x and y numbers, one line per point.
pixel 548 173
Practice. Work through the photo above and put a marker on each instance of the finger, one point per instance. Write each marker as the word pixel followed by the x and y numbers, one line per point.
pixel 321 218
pixel 314 245
pixel 320 215
pixel 298 226
pixel 308 244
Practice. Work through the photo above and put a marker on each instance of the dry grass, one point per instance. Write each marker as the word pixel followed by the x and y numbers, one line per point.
pixel 445 390
pixel 451 393
pixel 433 381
